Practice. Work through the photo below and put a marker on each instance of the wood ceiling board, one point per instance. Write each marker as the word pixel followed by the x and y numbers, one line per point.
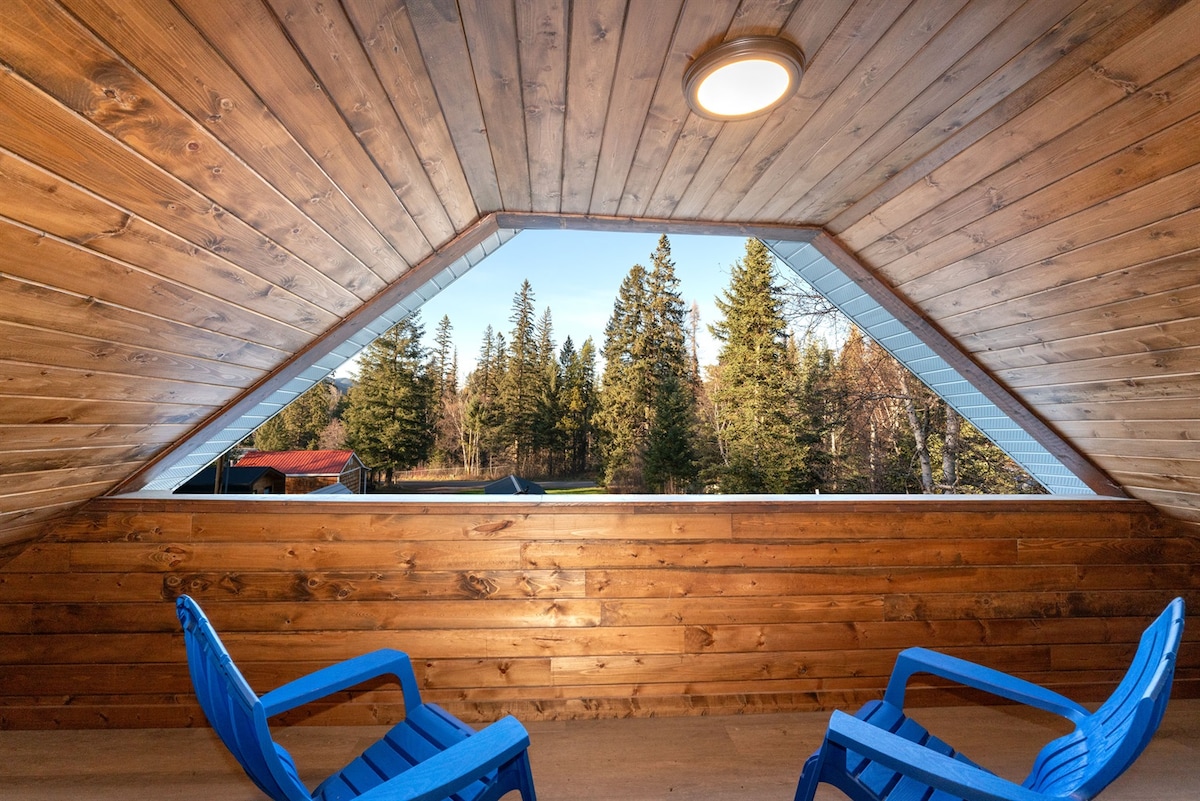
pixel 41 346
pixel 542 32
pixel 1077 303
pixel 122 103
pixel 250 39
pixel 86 437
pixel 31 380
pixel 905 60
pixel 639 68
pixel 700 25
pixel 36 306
pixel 697 134
pixel 44 133
pixel 748 149
pixel 442 41
pixel 390 43
pixel 491 38
pixel 595 40
pixel 969 92
pixel 335 53
pixel 33 254
pixel 39 200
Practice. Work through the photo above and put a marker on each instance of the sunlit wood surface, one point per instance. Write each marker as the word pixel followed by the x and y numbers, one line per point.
pixel 192 192
pixel 583 609
pixel 717 758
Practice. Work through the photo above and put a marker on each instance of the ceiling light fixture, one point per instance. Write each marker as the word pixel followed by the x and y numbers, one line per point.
pixel 743 77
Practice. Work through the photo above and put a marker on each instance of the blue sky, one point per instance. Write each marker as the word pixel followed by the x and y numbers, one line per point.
pixel 576 274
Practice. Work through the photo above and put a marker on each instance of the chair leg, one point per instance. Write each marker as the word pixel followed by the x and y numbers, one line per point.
pixel 809 778
pixel 526 780
pixel 514 775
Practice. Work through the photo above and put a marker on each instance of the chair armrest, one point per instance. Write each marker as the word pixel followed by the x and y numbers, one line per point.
pixel 343 676
pixel 459 765
pixel 980 677
pixel 923 764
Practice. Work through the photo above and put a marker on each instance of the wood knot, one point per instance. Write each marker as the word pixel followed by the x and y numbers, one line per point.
pixel 170 556
pixel 492 527
pixel 698 638
pixel 478 586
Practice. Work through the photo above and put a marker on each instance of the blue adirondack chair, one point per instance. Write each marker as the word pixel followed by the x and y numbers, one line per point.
pixel 880 753
pixel 428 756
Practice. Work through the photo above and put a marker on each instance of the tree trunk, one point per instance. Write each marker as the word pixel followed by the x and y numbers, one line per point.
pixel 873 457
pixel 918 430
pixel 950 450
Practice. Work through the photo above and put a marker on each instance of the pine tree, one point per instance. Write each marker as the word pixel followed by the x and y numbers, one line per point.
pixel 442 361
pixel 443 372
pixel 666 336
pixel 753 396
pixel 481 412
pixel 670 455
pixel 670 464
pixel 818 398
pixel 546 439
pixel 388 411
pixel 300 424
pixel 623 419
pixel 519 385
pixel 577 404
pixel 647 419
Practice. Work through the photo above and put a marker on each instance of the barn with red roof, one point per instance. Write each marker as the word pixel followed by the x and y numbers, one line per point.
pixel 308 471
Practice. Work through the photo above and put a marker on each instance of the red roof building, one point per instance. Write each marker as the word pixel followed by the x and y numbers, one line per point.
pixel 307 471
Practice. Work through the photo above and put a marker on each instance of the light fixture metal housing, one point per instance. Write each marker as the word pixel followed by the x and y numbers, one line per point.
pixel 743 78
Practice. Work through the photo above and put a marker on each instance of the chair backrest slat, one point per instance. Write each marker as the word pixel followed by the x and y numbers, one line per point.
pixel 1084 762
pixel 233 709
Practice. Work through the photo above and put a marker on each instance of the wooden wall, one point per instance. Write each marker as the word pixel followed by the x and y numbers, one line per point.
pixel 580 609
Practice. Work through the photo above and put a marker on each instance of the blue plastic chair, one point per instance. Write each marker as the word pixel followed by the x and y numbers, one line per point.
pixel 880 753
pixel 430 755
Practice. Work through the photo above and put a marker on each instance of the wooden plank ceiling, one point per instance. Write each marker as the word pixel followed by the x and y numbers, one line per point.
pixel 192 191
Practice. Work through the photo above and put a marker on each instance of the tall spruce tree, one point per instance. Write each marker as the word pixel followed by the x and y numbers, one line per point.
pixel 546 439
pixel 670 455
pixel 670 464
pixel 819 404
pixel 388 410
pixel 443 372
pixel 442 358
pixel 482 414
pixel 648 404
pixel 623 419
pixel 519 384
pixel 577 404
pixel 756 382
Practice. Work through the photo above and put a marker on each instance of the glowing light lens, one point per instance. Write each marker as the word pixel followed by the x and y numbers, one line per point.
pixel 743 77
pixel 743 87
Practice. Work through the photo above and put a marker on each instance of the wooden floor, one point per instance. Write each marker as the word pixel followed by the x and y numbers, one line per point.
pixel 711 758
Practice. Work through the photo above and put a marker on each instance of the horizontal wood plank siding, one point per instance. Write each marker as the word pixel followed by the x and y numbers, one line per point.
pixel 555 609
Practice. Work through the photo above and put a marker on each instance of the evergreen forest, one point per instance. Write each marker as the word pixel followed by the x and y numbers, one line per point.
pixel 783 410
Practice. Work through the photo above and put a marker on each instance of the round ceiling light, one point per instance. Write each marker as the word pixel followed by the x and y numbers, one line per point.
pixel 743 77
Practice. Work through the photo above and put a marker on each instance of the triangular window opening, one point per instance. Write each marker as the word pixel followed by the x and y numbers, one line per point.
pixel 1039 470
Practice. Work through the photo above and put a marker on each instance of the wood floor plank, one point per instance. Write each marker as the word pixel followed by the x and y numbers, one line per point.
pixel 694 758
